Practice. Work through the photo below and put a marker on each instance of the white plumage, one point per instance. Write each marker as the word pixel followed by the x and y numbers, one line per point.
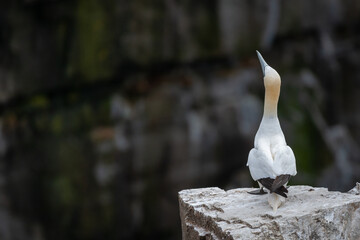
pixel 271 157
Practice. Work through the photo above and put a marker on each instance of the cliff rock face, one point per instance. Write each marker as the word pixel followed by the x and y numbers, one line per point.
pixel 308 213
pixel 108 108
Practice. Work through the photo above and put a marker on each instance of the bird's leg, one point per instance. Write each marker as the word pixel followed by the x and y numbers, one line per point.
pixel 258 191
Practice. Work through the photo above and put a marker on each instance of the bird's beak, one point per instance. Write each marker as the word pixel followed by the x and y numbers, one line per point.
pixel 262 62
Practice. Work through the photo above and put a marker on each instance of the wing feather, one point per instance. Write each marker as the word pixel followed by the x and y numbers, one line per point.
pixel 263 166
pixel 260 165
pixel 284 162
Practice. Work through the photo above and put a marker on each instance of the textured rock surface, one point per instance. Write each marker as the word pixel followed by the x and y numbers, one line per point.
pixel 309 213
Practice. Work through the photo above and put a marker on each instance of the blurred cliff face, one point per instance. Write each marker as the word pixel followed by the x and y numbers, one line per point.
pixel 108 108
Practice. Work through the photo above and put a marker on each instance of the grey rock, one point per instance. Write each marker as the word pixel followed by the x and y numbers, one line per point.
pixel 308 213
pixel 356 189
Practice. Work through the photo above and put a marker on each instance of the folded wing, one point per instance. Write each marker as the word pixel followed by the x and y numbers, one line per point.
pixel 260 165
pixel 284 162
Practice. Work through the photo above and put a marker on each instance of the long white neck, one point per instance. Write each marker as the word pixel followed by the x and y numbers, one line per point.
pixel 272 93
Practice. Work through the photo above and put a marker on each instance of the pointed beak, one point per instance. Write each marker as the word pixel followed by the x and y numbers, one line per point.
pixel 262 62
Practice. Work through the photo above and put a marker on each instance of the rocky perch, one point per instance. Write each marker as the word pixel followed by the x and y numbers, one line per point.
pixel 308 213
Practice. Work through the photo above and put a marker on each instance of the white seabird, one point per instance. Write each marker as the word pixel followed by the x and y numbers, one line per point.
pixel 271 161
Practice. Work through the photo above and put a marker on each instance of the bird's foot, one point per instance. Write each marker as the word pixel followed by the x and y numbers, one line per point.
pixel 258 192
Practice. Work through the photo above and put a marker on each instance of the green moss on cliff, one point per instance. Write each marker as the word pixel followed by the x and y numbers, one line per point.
pixel 91 56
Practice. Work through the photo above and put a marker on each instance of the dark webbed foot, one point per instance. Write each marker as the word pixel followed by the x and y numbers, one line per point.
pixel 258 192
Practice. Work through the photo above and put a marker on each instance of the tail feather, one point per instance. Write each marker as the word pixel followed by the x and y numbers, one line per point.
pixel 279 181
pixel 276 185
pixel 280 191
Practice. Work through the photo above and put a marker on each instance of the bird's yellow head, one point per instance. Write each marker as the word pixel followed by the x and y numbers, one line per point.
pixel 271 77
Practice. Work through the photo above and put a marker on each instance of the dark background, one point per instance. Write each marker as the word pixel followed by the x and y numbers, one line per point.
pixel 108 108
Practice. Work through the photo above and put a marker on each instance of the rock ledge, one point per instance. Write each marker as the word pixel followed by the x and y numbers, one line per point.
pixel 308 213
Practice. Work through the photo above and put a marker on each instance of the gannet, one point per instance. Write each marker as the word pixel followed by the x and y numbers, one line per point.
pixel 271 161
